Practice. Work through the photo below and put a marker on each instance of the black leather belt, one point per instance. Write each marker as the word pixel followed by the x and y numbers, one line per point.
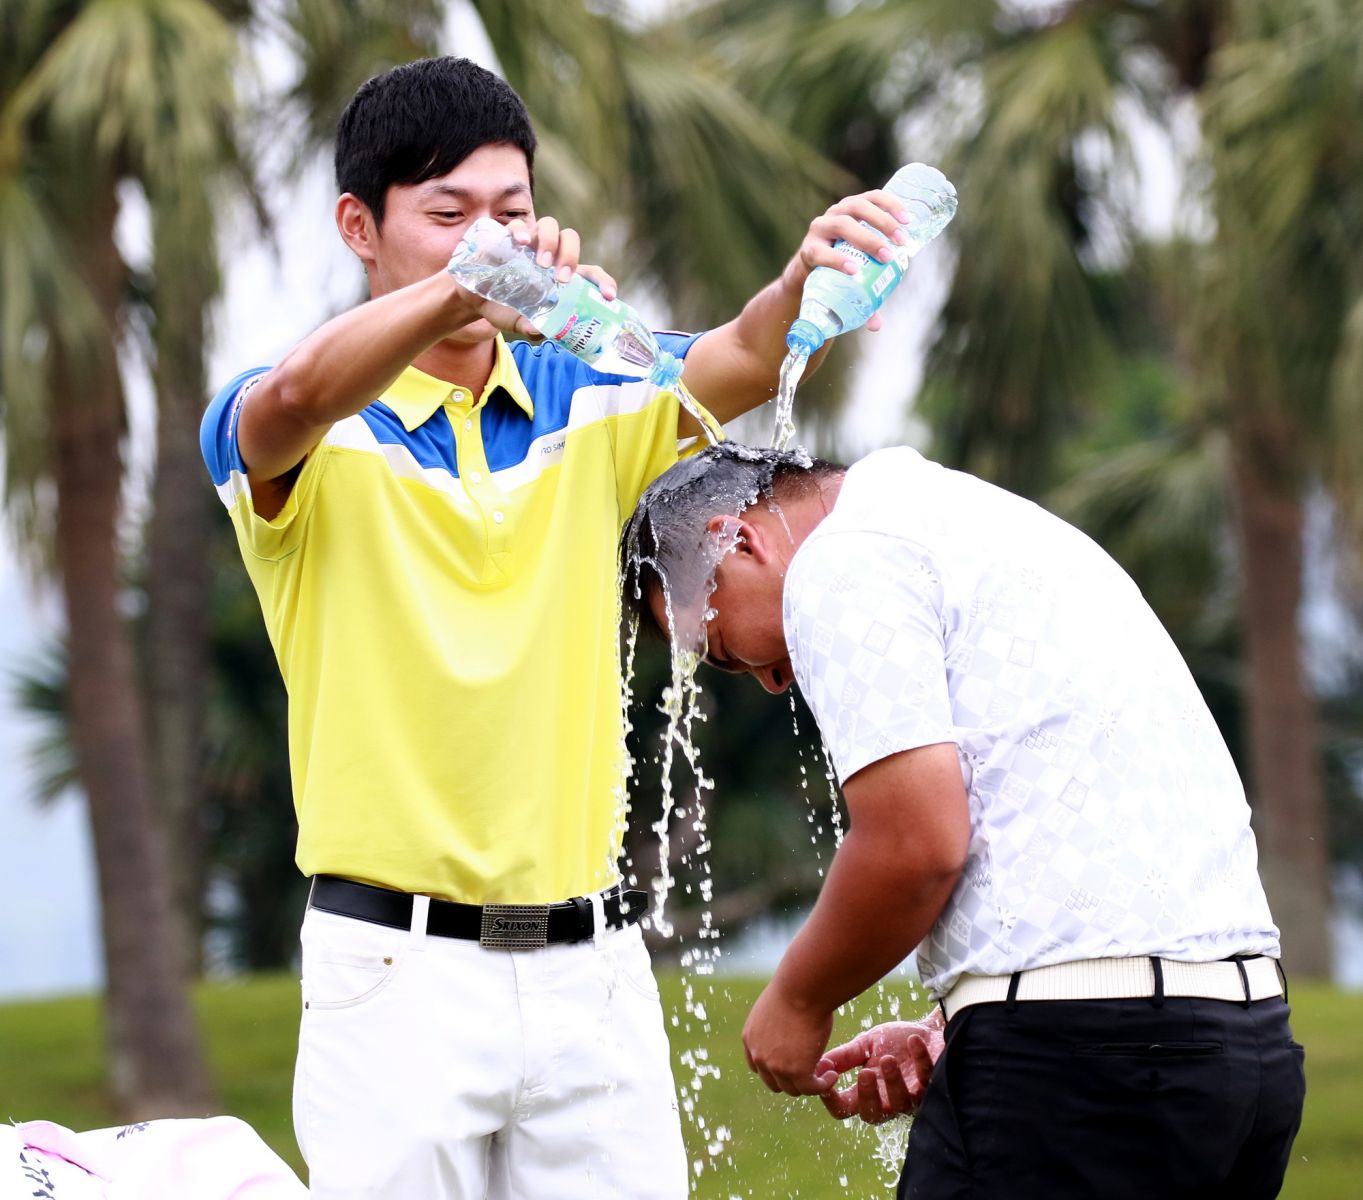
pixel 496 926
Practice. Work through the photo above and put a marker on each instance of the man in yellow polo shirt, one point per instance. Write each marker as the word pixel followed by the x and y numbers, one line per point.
pixel 429 515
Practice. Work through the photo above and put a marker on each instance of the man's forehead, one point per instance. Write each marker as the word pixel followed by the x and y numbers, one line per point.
pixel 454 188
pixel 492 172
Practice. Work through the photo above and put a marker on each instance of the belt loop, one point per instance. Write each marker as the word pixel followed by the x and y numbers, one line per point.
pixel 1158 967
pixel 598 904
pixel 1013 982
pixel 1244 978
pixel 416 936
pixel 1282 976
pixel 582 916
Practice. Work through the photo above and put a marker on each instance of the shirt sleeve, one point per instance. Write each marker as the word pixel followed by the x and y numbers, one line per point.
pixel 268 539
pixel 863 622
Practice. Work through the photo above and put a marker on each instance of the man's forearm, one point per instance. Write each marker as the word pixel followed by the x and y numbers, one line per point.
pixel 343 366
pixel 736 367
pixel 875 907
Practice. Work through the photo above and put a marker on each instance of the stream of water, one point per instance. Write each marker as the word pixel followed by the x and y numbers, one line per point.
pixel 682 818
pixel 792 369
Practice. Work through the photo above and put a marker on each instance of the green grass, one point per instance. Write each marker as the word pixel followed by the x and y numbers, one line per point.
pixel 50 1067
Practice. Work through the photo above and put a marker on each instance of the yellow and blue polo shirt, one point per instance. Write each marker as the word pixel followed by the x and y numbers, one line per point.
pixel 441 593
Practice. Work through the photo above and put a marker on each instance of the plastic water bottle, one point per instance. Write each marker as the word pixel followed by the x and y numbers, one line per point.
pixel 607 335
pixel 834 301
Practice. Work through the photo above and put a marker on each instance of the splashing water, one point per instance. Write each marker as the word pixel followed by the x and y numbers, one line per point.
pixel 685 569
pixel 685 600
pixel 791 371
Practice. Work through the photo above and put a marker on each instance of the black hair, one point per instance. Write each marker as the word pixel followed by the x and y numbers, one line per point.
pixel 419 121
pixel 672 513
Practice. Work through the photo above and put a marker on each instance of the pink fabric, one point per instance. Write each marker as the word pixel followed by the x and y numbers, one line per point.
pixel 218 1158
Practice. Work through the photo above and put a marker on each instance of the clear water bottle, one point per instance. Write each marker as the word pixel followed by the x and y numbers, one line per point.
pixel 834 301
pixel 607 335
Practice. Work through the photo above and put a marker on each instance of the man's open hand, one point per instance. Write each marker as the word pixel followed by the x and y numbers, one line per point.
pixel 893 1061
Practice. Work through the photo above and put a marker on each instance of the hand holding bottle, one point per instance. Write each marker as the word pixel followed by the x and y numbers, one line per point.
pixel 554 251
pixel 599 329
pixel 869 223
pixel 575 312
pixel 847 293
pixel 848 279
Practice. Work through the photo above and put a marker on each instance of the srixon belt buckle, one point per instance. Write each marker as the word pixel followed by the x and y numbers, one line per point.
pixel 514 927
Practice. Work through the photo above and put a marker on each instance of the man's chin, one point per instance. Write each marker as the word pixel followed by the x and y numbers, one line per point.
pixel 474 333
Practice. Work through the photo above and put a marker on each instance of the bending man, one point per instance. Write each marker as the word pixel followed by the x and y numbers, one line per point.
pixel 1040 804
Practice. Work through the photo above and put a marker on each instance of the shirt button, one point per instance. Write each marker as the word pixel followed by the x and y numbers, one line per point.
pixel 468 423
pixel 499 516
pixel 475 477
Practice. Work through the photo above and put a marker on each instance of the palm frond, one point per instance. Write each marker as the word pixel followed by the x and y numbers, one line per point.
pixel 1282 114
pixel 691 168
pixel 40 688
pixel 147 85
pixel 843 81
pixel 42 297
pixel 340 43
pixel 1021 342
pixel 1160 507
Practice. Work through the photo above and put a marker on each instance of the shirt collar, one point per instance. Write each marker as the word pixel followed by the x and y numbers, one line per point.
pixel 414 396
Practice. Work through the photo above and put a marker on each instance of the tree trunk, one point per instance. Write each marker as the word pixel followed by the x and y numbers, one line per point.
pixel 177 668
pixel 156 1065
pixel 1284 743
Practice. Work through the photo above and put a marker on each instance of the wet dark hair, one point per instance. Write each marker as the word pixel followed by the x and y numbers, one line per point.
pixel 419 121
pixel 671 515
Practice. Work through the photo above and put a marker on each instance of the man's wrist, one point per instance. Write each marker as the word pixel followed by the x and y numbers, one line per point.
pixel 796 999
pixel 794 276
pixel 458 305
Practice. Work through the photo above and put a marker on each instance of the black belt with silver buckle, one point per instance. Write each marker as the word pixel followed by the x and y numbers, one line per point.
pixel 495 926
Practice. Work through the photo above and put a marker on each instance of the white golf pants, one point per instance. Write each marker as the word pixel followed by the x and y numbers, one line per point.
pixel 430 1068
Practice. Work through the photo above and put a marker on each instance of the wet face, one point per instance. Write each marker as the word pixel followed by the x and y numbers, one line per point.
pixel 745 636
pixel 424 222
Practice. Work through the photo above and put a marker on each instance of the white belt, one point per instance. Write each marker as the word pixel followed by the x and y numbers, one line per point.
pixel 1121 979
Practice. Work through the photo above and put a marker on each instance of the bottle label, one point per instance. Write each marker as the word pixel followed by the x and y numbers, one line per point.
pixel 579 334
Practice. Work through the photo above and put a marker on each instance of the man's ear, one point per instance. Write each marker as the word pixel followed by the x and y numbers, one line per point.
pixel 747 538
pixel 356 223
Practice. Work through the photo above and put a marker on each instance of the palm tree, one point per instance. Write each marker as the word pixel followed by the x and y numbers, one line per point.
pixel 1284 364
pixel 1033 106
pixel 1270 294
pixel 96 95
pixel 183 192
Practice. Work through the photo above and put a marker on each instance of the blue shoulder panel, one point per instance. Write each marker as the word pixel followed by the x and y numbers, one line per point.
pixel 551 375
pixel 431 444
pixel 218 429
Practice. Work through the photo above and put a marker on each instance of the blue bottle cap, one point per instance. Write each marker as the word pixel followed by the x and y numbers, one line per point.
pixel 667 371
pixel 804 337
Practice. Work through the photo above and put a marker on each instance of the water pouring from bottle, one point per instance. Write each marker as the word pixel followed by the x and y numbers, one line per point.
pixel 835 301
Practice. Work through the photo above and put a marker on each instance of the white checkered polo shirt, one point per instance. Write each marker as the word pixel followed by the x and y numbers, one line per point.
pixel 1107 818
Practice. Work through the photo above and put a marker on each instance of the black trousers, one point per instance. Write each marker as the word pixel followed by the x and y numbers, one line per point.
pixel 1109 1099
